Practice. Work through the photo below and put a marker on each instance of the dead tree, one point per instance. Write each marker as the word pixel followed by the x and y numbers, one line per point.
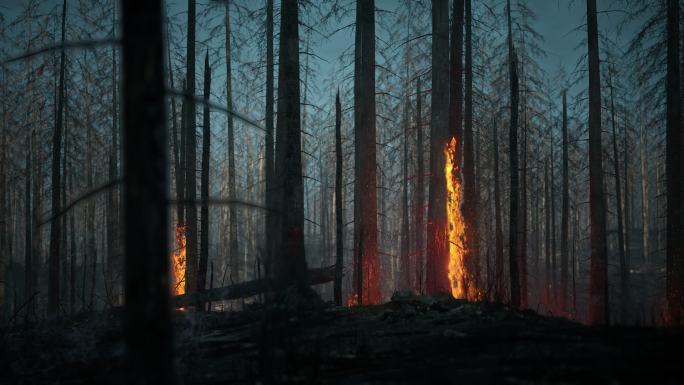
pixel 191 158
pixel 232 209
pixel 204 193
pixel 269 155
pixel 420 193
pixel 55 224
pixel 290 266
pixel 366 264
pixel 436 274
pixel 565 211
pixel 675 173
pixel 148 326
pixel 513 236
pixel 598 278
pixel 339 215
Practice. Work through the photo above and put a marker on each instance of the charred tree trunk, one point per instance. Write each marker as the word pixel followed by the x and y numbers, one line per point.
pixel 270 177
pixel 177 148
pixel 469 187
pixel 598 278
pixel 565 212
pixel 28 245
pixel 513 236
pixel 339 219
pixel 191 159
pixel 55 224
pixel 499 290
pixel 404 253
pixel 233 257
pixel 675 174
pixel 148 326
pixel 645 215
pixel 291 263
pixel 420 193
pixel 206 145
pixel 182 186
pixel 436 275
pixel 113 262
pixel 548 272
pixel 367 268
pixel 624 268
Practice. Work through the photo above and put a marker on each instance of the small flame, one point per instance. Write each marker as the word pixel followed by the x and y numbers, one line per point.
pixel 178 262
pixel 456 230
pixel 353 300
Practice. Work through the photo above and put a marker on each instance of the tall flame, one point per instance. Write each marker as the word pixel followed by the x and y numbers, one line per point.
pixel 456 230
pixel 178 262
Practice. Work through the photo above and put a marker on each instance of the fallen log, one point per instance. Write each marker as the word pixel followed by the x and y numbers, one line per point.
pixel 316 276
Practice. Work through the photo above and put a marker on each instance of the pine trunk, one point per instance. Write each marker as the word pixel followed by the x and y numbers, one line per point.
pixel 191 158
pixel 339 204
pixel 206 143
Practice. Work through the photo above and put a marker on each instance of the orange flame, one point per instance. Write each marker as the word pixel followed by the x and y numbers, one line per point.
pixel 178 262
pixel 456 230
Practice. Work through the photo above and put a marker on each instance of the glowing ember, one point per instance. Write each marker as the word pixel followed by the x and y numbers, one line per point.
pixel 456 231
pixel 178 262
pixel 353 300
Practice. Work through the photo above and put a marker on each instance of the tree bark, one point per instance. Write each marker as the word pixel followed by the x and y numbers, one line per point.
pixel 270 177
pixel 404 253
pixel 565 212
pixel 420 193
pixel 206 145
pixel 437 263
pixel 499 290
pixel 513 243
pixel 233 257
pixel 191 158
pixel 113 262
pixel 339 218
pixel 291 263
pixel 645 215
pixel 675 174
pixel 469 188
pixel 55 224
pixel 598 278
pixel 148 326
pixel 366 264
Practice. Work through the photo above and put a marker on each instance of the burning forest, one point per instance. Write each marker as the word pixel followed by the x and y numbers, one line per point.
pixel 329 192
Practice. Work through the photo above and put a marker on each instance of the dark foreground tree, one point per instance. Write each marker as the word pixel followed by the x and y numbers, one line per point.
pixel 204 193
pixel 148 315
pixel 598 278
pixel 191 159
pixel 339 227
pixel 290 264
pixel 366 265
pixel 675 173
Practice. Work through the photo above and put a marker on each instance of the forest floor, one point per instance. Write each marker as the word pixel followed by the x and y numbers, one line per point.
pixel 412 339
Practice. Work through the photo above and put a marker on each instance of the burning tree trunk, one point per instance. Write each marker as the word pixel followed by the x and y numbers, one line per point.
pixel 565 213
pixel 206 145
pixel 191 158
pixel 55 224
pixel 232 209
pixel 290 267
pixel 148 320
pixel 436 275
pixel 513 246
pixel 675 174
pixel 339 219
pixel 624 268
pixel 420 193
pixel 598 279
pixel 366 265
pixel 268 158
pixel 471 257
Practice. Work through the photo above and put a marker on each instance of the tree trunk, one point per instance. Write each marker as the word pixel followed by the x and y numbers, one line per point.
pixel 624 268
pixel 436 275
pixel 420 193
pixel 675 174
pixel 191 159
pixel 28 245
pixel 206 143
pixel 55 224
pixel 565 212
pixel 113 263
pixel 149 335
pixel 499 290
pixel 177 149
pixel 233 256
pixel 291 263
pixel 627 213
pixel 366 265
pixel 645 215
pixel 469 188
pixel 513 246
pixel 270 177
pixel 404 254
pixel 598 278
pixel 339 204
